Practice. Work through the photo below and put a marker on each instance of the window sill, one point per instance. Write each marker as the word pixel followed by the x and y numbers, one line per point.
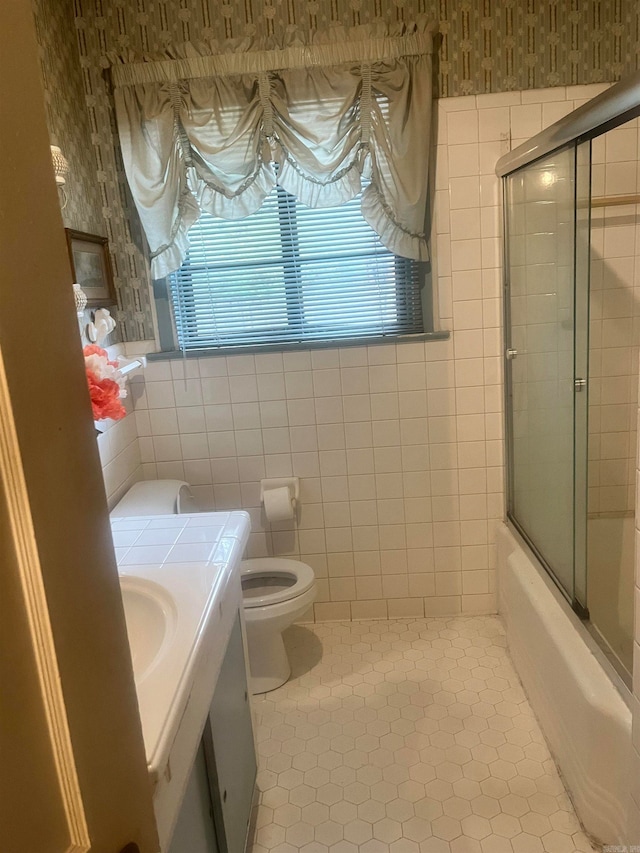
pixel 168 355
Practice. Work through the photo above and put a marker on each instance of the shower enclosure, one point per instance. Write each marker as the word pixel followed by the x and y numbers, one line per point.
pixel 572 305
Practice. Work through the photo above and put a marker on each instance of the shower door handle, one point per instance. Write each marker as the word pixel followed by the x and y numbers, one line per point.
pixel 579 384
pixel 511 354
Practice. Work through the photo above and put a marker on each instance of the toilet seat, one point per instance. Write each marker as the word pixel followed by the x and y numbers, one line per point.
pixel 272 580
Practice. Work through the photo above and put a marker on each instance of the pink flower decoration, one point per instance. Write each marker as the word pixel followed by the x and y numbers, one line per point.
pixel 105 398
pixel 106 384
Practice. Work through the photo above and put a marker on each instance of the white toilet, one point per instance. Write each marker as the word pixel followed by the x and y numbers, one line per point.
pixel 276 591
pixel 156 497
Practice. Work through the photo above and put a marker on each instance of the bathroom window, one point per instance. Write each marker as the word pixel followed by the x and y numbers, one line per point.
pixel 208 136
pixel 292 274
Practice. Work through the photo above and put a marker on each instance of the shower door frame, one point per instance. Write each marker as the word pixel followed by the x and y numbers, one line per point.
pixel 580 318
pixel 581 333
pixel 617 105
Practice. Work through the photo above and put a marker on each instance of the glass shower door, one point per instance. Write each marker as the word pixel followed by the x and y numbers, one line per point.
pixel 546 467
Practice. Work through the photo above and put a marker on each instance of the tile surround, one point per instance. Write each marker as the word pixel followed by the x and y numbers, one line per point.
pixel 119 447
pixel 120 458
pixel 406 737
pixel 371 524
pixel 615 325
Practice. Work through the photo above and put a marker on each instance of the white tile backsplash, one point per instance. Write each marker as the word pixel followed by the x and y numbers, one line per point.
pixel 121 452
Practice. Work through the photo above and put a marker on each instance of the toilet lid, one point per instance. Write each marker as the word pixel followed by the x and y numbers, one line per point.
pixel 270 580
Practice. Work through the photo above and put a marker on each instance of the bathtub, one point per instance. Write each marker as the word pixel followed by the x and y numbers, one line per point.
pixel 581 709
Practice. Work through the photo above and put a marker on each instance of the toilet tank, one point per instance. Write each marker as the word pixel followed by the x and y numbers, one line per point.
pixel 156 497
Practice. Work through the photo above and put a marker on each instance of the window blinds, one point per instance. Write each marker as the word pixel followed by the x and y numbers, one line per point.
pixel 290 273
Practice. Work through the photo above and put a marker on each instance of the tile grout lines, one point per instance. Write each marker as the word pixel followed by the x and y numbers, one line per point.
pixel 406 736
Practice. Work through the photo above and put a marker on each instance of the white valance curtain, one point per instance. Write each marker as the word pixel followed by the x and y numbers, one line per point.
pixel 215 132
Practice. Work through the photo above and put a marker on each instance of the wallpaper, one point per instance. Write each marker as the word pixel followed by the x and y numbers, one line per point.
pixel 483 46
pixel 95 193
pixel 67 117
pixel 486 45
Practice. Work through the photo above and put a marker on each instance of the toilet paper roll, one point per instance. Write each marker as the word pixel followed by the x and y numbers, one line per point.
pixel 278 504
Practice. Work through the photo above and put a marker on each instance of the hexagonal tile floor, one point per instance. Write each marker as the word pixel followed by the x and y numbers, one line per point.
pixel 406 737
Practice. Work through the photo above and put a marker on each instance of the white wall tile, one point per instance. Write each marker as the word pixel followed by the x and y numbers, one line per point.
pixel 464 193
pixel 462 125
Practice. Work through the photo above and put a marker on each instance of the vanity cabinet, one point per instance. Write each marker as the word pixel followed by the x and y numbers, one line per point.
pixel 230 747
pixel 216 809
pixel 195 830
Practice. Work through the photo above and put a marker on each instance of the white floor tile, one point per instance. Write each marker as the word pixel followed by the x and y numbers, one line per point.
pixel 406 737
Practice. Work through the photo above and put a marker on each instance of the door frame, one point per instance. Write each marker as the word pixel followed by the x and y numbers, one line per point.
pixel 65 646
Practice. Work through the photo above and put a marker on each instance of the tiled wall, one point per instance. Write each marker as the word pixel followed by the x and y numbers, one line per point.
pixel 370 432
pixel 120 457
pixel 399 448
pixel 119 447
pixel 615 324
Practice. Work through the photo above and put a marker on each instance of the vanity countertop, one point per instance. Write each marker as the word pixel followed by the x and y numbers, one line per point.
pixel 178 570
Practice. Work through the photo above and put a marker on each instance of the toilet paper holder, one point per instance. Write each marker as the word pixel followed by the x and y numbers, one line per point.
pixel 293 484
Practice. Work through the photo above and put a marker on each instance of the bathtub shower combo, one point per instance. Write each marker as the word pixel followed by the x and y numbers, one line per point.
pixel 572 328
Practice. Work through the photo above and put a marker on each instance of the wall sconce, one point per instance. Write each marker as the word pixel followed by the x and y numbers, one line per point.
pixel 61 170
pixel 80 298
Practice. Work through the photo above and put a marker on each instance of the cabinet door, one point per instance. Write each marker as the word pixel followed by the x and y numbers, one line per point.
pixel 232 746
pixel 195 831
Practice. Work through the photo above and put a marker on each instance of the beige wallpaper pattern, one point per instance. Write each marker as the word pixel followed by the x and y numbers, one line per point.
pixel 82 202
pixel 81 125
pixel 484 46
pixel 67 116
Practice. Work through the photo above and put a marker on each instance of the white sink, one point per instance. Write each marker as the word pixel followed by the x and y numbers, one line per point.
pixel 151 617
pixel 181 593
pixel 174 571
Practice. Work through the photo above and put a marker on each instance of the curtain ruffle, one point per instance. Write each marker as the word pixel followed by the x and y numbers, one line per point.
pixel 212 198
pixel 353 99
pixel 169 256
pixel 392 234
pixel 313 193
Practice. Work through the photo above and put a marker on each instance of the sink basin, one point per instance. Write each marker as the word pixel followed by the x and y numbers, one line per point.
pixel 180 599
pixel 151 615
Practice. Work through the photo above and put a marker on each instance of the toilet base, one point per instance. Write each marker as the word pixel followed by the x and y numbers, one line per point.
pixel 268 661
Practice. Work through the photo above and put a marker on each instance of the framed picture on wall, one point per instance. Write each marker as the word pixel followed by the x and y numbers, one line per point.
pixel 91 267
